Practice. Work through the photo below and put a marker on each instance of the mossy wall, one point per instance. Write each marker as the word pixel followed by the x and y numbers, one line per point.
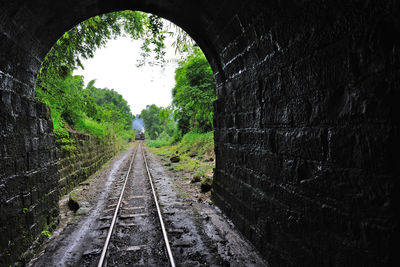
pixel 81 155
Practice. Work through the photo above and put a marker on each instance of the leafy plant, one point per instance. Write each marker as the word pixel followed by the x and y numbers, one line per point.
pixel 46 233
pixel 157 143
pixel 194 93
pixel 82 40
pixel 158 122
pixel 100 112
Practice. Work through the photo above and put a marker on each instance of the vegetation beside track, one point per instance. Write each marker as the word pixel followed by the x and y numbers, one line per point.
pixel 182 133
pixel 99 112
pixel 196 157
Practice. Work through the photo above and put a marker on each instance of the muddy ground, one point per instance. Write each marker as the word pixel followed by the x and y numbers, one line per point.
pixel 200 235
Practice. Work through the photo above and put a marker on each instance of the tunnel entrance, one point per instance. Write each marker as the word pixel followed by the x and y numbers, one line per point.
pixel 306 130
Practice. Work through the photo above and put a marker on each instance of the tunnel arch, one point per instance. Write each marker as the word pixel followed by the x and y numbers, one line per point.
pixel 306 130
pixel 61 17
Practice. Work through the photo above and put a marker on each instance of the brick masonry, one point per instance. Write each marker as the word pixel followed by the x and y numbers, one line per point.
pixel 306 133
pixel 36 171
pixel 84 159
pixel 28 179
pixel 306 121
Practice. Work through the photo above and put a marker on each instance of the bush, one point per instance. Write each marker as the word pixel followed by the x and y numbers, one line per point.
pixel 102 113
pixel 164 137
pixel 91 126
pixel 157 143
pixel 197 143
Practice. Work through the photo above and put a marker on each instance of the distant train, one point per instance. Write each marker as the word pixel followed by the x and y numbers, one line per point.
pixel 139 136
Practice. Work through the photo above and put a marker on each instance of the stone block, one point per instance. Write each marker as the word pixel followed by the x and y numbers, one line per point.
pixel 16 103
pixel 21 164
pixel 32 109
pixel 33 160
pixel 6 167
pixel 6 102
pixel 33 126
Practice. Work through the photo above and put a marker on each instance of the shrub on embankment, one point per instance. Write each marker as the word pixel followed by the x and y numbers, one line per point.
pixel 90 125
pixel 197 144
pixel 99 112
pixel 201 144
pixel 193 155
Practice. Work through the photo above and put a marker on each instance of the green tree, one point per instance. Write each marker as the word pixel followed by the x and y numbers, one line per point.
pixel 82 40
pixel 166 118
pixel 194 93
pixel 158 122
pixel 151 120
pixel 66 100
pixel 97 111
pixel 111 105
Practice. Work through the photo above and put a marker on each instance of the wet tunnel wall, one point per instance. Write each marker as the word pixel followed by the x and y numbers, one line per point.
pixel 306 135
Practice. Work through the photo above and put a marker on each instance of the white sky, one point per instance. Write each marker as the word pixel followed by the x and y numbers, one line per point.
pixel 114 67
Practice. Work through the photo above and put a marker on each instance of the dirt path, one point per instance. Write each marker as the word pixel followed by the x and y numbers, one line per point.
pixel 200 235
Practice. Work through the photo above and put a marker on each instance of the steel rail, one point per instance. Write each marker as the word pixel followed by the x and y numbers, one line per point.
pixel 171 258
pixel 114 219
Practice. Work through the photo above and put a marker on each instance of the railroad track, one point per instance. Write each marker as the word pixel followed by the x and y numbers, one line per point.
pixel 120 223
pixel 135 215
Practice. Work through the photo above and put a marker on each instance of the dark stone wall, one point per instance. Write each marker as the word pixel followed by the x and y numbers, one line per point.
pixel 307 132
pixel 28 171
pixel 306 124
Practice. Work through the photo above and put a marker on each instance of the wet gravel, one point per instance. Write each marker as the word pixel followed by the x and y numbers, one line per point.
pixel 200 235
pixel 82 235
pixel 137 239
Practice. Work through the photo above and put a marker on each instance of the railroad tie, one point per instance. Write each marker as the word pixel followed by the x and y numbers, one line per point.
pixel 135 248
pixel 128 216
pixel 126 225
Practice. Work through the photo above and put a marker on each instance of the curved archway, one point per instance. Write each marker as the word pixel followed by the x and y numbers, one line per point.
pixel 306 131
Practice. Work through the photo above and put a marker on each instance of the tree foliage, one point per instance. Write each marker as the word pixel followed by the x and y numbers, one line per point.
pixel 89 109
pixel 82 40
pixel 194 93
pixel 158 122
pixel 192 109
pixel 110 105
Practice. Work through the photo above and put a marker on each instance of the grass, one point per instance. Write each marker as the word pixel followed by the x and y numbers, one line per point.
pixel 196 143
pixel 102 131
pixel 91 126
pixel 192 144
pixel 195 151
pixel 181 193
pixel 157 143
